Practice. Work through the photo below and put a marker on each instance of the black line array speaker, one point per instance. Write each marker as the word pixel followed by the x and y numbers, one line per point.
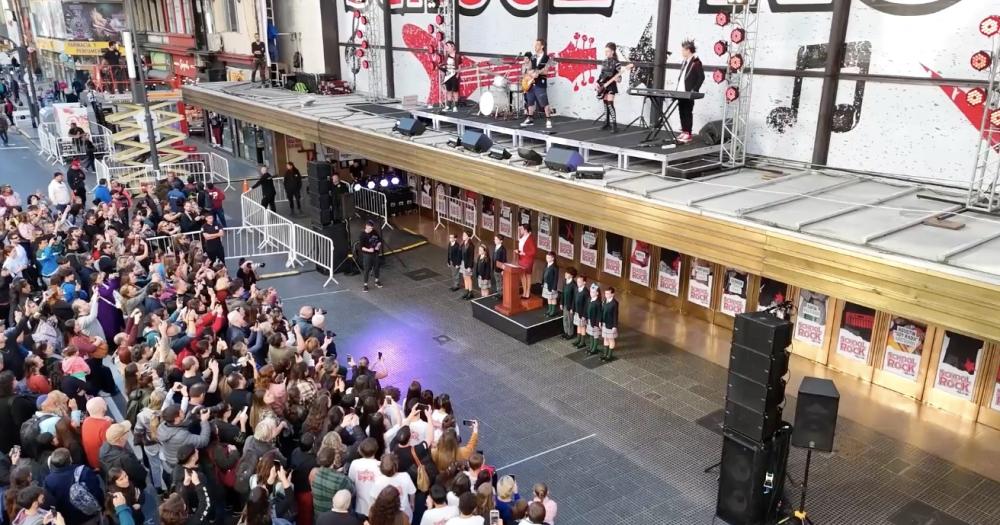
pixel 477 141
pixel 758 362
pixel 816 414
pixel 318 182
pixel 751 478
pixel 563 159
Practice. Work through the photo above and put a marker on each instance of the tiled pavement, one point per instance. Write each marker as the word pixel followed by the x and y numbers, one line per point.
pixel 639 454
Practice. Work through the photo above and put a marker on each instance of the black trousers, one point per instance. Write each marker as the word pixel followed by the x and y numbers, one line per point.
pixel 294 197
pixel 369 263
pixel 268 202
pixel 686 110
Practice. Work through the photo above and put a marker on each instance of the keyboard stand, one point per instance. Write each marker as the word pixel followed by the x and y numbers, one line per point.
pixel 641 119
pixel 663 124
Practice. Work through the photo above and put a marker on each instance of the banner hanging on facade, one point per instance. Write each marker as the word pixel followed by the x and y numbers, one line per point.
pixel 854 340
pixel 959 364
pixel 544 232
pixel 506 228
pixel 588 247
pixel 810 325
pixel 668 272
pixel 734 293
pixel 904 348
pixel 700 283
pixel 489 217
pixel 614 246
pixel 639 262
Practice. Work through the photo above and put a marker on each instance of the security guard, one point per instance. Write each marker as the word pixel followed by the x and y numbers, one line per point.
pixel 370 244
pixel 568 302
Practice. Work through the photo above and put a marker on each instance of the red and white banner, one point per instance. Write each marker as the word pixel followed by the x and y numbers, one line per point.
pixel 668 272
pixel 638 268
pixel 810 326
pixel 588 247
pixel 959 364
pixel 700 283
pixel 734 293
pixel 506 228
pixel 614 245
pixel 567 234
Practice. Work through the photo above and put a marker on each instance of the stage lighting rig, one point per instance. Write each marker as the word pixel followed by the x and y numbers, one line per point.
pixel 975 96
pixel 990 26
pixel 736 62
pixel 738 35
pixel 980 61
pixel 732 94
pixel 371 185
pixel 719 76
pixel 722 19
pixel 394 181
pixel 720 48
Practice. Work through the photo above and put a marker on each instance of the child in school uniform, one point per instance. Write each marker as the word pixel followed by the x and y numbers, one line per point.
pixel 568 300
pixel 484 271
pixel 609 323
pixel 594 310
pixel 550 284
pixel 580 311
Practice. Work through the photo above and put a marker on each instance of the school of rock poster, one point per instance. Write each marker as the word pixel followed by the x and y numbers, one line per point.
pixel 700 283
pixel 505 220
pixel 425 194
pixel 734 293
pixel 772 293
pixel 469 210
pixel 995 400
pixel 544 232
pixel 904 347
pixel 810 326
pixel 959 363
pixel 668 272
pixel 441 201
pixel 639 262
pixel 524 216
pixel 588 247
pixel 567 239
pixel 854 341
pixel 614 246
pixel 489 214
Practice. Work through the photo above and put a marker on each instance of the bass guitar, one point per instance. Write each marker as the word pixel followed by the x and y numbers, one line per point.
pixel 602 87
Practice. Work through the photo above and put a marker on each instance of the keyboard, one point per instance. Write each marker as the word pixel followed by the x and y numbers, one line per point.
pixel 665 93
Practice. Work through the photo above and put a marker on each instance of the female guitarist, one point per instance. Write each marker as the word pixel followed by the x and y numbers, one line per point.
pixel 607 84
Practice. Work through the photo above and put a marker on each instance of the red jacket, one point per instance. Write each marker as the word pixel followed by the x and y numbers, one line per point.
pixel 527 259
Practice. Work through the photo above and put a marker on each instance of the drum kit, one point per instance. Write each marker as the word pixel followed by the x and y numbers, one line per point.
pixel 502 100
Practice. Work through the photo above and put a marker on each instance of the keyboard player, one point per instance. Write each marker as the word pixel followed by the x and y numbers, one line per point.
pixel 691 77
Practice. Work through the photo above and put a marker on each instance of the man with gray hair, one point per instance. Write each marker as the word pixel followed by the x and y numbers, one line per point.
pixel 341 512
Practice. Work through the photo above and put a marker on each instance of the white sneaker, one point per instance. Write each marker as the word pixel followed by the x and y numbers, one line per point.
pixel 454 109
pixel 684 138
pixel 527 122
pixel 548 124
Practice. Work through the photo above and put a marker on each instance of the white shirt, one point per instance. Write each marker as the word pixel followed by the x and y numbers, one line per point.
pixel 439 516
pixel 59 192
pixel 364 473
pixel 403 484
pixel 521 241
pixel 418 431
pixel 684 71
pixel 467 520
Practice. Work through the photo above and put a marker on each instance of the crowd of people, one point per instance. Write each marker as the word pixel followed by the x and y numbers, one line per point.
pixel 142 382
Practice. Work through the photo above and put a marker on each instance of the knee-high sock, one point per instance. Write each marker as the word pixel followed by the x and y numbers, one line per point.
pixel 608 108
pixel 612 116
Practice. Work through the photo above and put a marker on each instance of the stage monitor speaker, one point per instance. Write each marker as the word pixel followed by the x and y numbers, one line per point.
pixel 410 127
pixel 745 469
pixel 476 141
pixel 563 159
pixel 529 156
pixel 816 414
pixel 763 332
pixel 711 133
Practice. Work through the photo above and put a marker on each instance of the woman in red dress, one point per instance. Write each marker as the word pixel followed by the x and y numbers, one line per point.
pixel 526 248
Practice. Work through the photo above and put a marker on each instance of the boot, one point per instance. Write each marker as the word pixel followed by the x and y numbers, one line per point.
pixel 552 310
pixel 607 117
pixel 613 117
pixel 607 353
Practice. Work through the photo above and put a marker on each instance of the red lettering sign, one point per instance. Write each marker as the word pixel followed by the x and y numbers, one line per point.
pixel 184 67
pixel 905 364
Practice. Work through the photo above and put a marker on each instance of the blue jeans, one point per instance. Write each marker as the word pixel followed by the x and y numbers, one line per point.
pixel 220 217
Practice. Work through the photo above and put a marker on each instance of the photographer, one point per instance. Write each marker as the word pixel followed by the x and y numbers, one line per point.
pixel 370 244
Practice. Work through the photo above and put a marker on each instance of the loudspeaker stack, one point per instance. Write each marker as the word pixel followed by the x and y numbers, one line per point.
pixel 755 440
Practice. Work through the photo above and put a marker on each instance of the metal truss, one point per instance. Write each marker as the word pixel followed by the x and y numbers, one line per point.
pixel 736 114
pixel 986 173
pixel 445 9
pixel 376 40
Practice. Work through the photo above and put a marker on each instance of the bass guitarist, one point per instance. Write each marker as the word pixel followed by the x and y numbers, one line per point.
pixel 535 84
pixel 607 84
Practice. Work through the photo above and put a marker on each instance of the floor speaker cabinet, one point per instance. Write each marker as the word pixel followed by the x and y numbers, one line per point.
pixel 762 332
pixel 816 414
pixel 764 368
pixel 751 479
pixel 476 141
pixel 563 159
pixel 758 425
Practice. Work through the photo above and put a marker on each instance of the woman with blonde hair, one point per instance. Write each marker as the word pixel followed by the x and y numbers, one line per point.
pixel 446 451
pixel 147 422
pixel 506 497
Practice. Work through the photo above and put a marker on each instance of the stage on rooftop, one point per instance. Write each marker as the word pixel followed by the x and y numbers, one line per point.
pixel 527 327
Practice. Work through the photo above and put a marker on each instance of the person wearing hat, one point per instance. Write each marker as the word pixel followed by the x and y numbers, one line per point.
pixel 115 452
pixel 77 179
pixel 370 244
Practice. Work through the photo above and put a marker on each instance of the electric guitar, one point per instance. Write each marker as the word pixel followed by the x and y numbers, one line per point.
pixel 602 87
pixel 529 77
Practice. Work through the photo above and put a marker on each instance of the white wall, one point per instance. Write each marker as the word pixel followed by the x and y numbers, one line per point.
pixel 239 40
pixel 301 17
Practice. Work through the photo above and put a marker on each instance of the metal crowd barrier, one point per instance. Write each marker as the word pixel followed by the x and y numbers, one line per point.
pixel 60 149
pixel 238 242
pixel 374 203
pixel 456 211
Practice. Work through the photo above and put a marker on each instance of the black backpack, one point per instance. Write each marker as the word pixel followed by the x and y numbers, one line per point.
pixel 30 430
pixel 245 469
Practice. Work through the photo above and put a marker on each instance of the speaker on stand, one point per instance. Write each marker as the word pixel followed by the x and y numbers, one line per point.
pixel 815 426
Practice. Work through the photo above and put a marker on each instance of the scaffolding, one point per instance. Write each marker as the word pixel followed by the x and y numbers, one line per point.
pixel 740 64
pixel 986 172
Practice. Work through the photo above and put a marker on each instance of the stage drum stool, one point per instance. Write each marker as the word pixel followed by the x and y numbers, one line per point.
pixel 816 414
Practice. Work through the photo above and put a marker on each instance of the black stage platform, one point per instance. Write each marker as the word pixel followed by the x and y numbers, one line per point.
pixel 527 327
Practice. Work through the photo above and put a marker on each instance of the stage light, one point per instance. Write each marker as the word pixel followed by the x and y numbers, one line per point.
pixel 738 35
pixel 980 61
pixel 732 93
pixel 357 187
pixel 722 19
pixel 431 28
pixel 975 96
pixel 439 20
pixel 440 36
pixel 719 76
pixel 499 153
pixel 364 20
pixel 383 183
pixel 720 47
pixel 394 180
pixel 359 53
pixel 364 44
pixel 995 118
pixel 359 33
pixel 736 62
pixel 371 185
pixel 357 14
pixel 990 25
pixel 364 64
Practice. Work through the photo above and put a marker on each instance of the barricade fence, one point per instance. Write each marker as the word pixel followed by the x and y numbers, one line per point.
pixel 60 149
pixel 374 203
pixel 238 242
pixel 456 211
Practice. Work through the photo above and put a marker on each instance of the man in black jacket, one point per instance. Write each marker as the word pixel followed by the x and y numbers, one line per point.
pixel 266 184
pixel 114 453
pixel 293 186
pixel 77 180
pixel 454 261
pixel 690 79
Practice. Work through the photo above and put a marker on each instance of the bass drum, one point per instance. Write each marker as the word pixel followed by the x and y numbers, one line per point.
pixel 494 102
pixel 486 104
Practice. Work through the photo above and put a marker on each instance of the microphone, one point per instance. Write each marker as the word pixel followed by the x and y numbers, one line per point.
pixel 669 53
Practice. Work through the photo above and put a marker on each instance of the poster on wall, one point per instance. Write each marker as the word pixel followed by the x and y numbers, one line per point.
pixel 544 232
pixel 567 239
pixel 700 283
pixel 668 272
pixel 69 114
pixel 956 373
pixel 588 247
pixel 614 246
pixel 524 216
pixel 455 211
pixel 441 200
pixel 904 347
pixel 810 326
pixel 94 21
pixel 854 341
pixel 470 209
pixel 489 213
pixel 771 294
pixel 995 400
pixel 734 292
pixel 506 227
pixel 425 194
pixel 638 268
